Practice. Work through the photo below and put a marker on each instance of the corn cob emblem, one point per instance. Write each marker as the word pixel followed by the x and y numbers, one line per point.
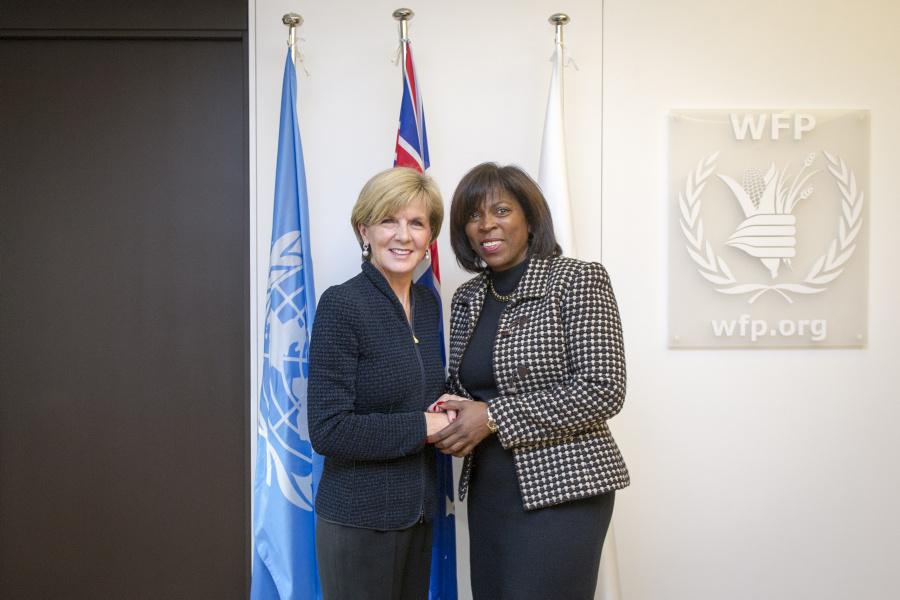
pixel 769 227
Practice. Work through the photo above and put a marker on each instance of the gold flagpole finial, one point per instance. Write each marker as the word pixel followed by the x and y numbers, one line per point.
pixel 404 15
pixel 293 21
pixel 559 19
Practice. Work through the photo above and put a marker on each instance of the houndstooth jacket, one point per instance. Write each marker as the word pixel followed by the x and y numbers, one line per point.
pixel 559 366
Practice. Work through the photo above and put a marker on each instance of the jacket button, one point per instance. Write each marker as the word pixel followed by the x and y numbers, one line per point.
pixel 523 371
pixel 522 320
pixel 505 333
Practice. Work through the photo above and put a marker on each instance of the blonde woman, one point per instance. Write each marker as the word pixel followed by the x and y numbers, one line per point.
pixel 375 367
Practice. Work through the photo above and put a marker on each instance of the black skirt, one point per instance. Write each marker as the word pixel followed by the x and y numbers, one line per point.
pixel 549 553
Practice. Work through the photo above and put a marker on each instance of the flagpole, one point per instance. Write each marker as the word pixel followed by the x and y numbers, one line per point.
pixel 553 179
pixel 608 588
pixel 284 558
pixel 553 176
pixel 411 151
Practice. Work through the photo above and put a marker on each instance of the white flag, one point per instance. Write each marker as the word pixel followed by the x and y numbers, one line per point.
pixel 553 177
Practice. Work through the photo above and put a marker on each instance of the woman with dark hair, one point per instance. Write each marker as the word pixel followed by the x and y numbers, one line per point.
pixel 536 369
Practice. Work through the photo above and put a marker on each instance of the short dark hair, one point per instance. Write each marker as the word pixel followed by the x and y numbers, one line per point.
pixel 486 180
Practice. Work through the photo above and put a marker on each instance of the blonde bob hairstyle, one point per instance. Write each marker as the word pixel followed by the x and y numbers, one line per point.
pixel 389 191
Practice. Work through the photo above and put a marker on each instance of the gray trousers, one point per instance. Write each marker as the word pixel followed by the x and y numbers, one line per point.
pixel 365 564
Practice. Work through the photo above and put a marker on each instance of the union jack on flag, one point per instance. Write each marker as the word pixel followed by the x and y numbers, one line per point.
pixel 412 141
pixel 412 152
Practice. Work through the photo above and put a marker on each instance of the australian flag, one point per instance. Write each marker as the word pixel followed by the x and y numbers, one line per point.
pixel 412 152
pixel 287 471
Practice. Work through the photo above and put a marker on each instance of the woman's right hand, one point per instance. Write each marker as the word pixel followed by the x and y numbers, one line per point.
pixel 435 421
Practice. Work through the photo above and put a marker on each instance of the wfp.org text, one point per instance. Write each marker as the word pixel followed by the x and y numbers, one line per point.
pixel 744 326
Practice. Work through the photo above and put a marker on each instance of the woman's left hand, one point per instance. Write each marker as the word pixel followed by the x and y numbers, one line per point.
pixel 470 427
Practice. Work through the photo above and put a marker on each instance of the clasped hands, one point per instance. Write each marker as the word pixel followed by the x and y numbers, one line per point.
pixel 461 426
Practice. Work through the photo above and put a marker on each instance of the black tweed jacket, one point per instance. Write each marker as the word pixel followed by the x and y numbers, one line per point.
pixel 559 366
pixel 369 385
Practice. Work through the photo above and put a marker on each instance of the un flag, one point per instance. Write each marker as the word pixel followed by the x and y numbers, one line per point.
pixel 284 563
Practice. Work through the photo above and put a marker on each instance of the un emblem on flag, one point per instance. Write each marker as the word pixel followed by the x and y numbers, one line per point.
pixel 282 424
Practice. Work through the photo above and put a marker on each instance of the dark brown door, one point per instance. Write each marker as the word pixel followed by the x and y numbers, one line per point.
pixel 123 314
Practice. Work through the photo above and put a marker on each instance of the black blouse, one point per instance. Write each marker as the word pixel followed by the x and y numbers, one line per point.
pixel 476 371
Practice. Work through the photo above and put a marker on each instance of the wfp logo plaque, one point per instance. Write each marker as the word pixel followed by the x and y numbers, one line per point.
pixel 282 424
pixel 768 240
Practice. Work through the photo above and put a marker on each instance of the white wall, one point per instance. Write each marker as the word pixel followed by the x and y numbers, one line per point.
pixel 755 474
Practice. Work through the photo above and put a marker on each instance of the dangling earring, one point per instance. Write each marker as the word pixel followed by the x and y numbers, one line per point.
pixel 427 254
pixel 365 252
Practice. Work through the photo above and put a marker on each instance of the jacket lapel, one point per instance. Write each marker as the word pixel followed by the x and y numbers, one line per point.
pixel 468 308
pixel 533 285
pixel 534 281
pixel 471 301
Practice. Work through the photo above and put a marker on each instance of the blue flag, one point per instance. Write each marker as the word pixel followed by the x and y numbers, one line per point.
pixel 287 471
